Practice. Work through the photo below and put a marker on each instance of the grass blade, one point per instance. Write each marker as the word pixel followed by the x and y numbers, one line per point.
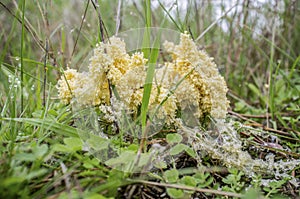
pixel 59 128
pixel 21 53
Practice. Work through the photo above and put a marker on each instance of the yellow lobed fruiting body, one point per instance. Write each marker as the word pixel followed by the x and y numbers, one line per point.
pixel 210 86
pixel 189 81
pixel 66 85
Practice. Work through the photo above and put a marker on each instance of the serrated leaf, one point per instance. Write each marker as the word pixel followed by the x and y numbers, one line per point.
pixel 206 183
pixel 230 179
pixel 174 138
pixel 160 164
pixel 171 175
pixel 177 149
pixel 175 193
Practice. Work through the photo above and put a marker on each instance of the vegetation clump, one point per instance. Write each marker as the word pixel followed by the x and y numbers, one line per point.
pixel 188 84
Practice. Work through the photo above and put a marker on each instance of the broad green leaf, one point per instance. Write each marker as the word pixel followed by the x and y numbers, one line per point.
pixel 252 193
pixel 189 181
pixel 171 175
pixel 175 193
pixel 75 144
pixel 206 183
pixel 174 138
pixel 40 151
pixel 98 143
pixel 25 157
pixel 177 149
pixel 133 147
pixel 126 157
pixel 61 148
pixel 190 151
pixel 200 176
pixel 144 159
pixel 90 163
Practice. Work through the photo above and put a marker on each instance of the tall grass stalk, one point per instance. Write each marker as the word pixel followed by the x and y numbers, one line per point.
pixel 45 72
pixel 170 16
pixel 151 65
pixel 270 102
pixel 102 29
pixel 21 53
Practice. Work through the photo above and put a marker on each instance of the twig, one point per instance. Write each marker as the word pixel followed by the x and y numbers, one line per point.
pixel 101 23
pixel 214 23
pixel 118 20
pixel 265 115
pixel 137 9
pixel 142 144
pixel 189 188
pixel 81 24
pixel 66 177
pixel 274 147
pixel 253 123
pixel 30 29
pixel 44 15
pixel 27 27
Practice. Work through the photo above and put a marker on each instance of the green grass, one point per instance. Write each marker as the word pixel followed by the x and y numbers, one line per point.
pixel 41 151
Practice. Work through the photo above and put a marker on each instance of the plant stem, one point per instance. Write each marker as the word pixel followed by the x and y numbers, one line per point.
pixel 21 54
pixel 45 72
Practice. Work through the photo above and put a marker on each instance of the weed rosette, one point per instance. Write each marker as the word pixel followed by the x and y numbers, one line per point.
pixel 138 92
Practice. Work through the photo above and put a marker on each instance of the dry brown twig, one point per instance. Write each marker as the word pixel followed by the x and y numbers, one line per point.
pixel 255 124
pixel 189 188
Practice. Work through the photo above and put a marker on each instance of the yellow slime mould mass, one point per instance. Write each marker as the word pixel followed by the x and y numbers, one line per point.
pixel 189 79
